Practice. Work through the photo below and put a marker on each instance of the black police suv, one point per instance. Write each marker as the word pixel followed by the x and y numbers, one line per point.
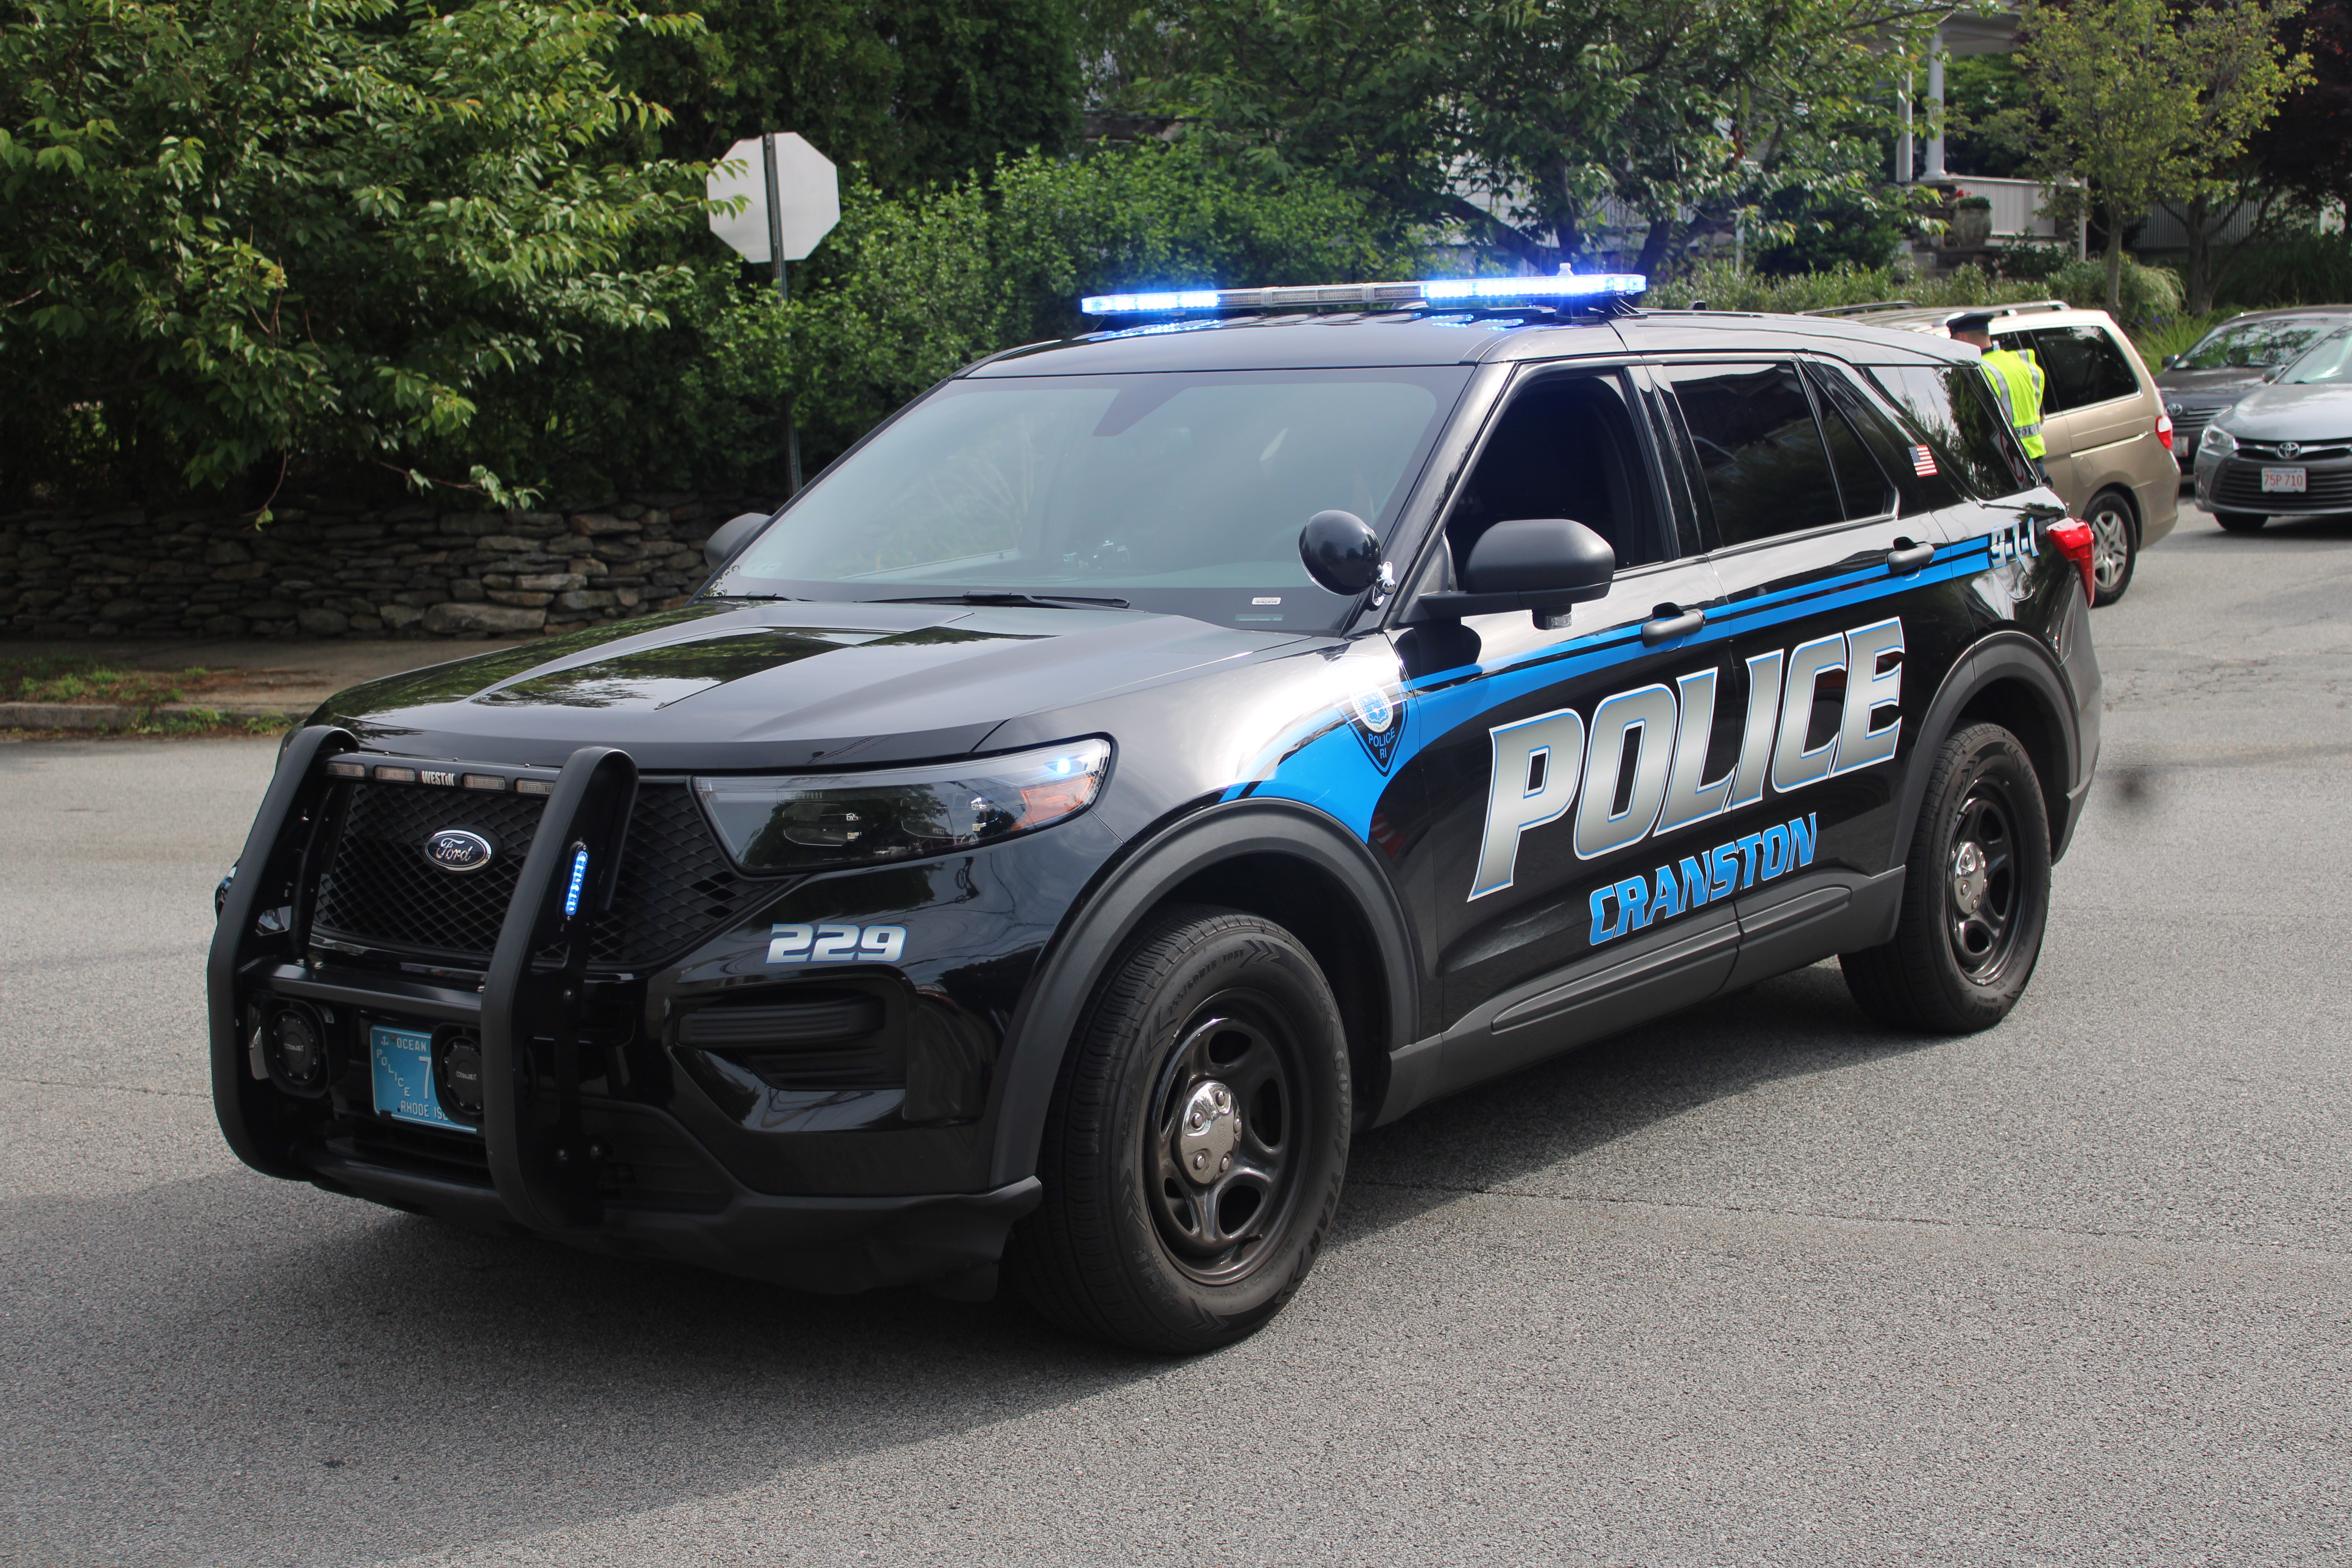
pixel 1150 760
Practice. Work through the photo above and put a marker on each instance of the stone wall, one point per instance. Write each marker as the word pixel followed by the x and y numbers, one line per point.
pixel 320 569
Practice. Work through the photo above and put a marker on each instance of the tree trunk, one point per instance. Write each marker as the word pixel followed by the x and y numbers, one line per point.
pixel 2114 258
pixel 1654 245
pixel 2196 279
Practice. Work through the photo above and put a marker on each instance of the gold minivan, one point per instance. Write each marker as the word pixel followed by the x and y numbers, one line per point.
pixel 2110 440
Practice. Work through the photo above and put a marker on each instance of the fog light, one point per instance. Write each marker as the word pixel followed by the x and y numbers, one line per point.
pixel 294 1050
pixel 457 1074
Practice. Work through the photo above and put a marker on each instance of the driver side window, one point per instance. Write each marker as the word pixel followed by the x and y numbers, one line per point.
pixel 1565 446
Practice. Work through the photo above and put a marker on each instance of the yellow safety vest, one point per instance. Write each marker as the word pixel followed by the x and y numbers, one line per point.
pixel 2021 382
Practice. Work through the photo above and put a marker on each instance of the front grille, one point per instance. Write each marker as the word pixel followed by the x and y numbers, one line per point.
pixel 2239 487
pixel 2305 452
pixel 675 886
pixel 2189 421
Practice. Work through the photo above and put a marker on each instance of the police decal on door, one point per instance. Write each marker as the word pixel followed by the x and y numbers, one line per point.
pixel 1554 766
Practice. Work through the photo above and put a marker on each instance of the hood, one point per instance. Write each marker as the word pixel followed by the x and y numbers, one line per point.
pixel 2208 388
pixel 780 685
pixel 2313 411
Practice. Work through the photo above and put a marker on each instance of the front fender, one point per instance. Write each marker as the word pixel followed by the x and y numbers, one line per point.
pixel 1100 926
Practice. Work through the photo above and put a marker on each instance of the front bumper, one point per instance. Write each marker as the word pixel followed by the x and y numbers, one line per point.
pixel 801 1189
pixel 2234 484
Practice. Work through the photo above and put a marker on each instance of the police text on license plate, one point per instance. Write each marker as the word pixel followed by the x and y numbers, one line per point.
pixel 2275 480
pixel 402 1066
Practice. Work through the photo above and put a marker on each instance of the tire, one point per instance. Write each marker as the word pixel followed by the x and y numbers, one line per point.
pixel 2114 544
pixel 1212 1028
pixel 1954 967
pixel 2241 521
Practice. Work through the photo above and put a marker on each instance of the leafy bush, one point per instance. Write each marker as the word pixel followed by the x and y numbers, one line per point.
pixel 250 229
pixel 2308 270
pixel 1726 289
pixel 2149 295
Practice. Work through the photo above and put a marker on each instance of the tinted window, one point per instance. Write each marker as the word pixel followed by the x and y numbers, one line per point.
pixel 2082 364
pixel 1564 448
pixel 1863 487
pixel 1764 467
pixel 1950 407
pixel 2330 360
pixel 1923 483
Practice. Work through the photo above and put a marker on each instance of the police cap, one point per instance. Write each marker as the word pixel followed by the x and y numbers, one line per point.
pixel 1974 322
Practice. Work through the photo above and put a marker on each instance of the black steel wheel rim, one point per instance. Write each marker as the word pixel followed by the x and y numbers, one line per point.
pixel 2110 544
pixel 1984 884
pixel 1219 1216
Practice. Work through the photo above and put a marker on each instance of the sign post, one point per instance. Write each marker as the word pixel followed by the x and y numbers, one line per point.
pixel 791 203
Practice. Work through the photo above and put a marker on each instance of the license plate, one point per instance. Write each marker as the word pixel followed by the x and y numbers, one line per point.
pixel 403 1063
pixel 2287 480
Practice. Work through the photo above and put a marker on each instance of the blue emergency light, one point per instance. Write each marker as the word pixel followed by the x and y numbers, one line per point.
pixel 1400 295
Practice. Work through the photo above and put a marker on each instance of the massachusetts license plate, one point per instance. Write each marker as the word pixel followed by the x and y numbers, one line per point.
pixel 402 1060
pixel 2287 480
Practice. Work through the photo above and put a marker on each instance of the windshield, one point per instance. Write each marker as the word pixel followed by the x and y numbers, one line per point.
pixel 1177 492
pixel 2329 359
pixel 2256 345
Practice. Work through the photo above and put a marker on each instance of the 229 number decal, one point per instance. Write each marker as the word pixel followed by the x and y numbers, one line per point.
pixel 835 944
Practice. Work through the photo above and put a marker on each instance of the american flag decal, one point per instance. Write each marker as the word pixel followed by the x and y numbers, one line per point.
pixel 1923 462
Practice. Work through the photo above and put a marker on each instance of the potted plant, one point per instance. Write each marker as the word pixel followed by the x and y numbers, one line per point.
pixel 1971 226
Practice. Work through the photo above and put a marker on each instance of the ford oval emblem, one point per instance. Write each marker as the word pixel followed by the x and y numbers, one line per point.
pixel 457 849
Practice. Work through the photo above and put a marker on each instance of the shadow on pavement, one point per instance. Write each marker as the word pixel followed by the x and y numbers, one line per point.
pixel 284 1368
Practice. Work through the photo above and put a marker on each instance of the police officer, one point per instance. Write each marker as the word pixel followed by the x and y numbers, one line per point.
pixel 2019 379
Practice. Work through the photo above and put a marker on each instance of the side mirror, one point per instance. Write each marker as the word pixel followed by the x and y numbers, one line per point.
pixel 1539 564
pixel 730 533
pixel 2172 362
pixel 1342 554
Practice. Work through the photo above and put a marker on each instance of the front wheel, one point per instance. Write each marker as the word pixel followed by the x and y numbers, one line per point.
pixel 1196 1141
pixel 2241 521
pixel 2114 550
pixel 1976 894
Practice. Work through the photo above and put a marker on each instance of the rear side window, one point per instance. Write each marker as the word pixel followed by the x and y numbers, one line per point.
pixel 2082 365
pixel 1860 480
pixel 1950 407
pixel 1764 467
pixel 1923 483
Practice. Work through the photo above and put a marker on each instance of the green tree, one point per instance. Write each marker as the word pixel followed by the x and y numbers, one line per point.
pixel 2146 103
pixel 918 93
pixel 236 233
pixel 1516 121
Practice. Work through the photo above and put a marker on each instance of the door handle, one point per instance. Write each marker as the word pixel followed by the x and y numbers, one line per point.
pixel 1907 557
pixel 1669 622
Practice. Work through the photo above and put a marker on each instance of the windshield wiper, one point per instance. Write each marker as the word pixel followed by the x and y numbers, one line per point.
pixel 1032 601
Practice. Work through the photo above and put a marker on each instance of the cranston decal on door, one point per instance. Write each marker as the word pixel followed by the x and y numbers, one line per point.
pixel 1660 734
pixel 1629 905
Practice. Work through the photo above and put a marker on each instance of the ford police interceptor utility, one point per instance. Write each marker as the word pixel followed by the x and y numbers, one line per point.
pixel 1150 760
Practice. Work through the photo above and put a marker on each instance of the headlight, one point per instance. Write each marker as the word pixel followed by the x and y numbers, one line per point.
pixel 2218 441
pixel 810 822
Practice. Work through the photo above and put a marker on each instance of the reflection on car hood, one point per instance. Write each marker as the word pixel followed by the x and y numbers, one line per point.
pixel 2204 388
pixel 780 684
pixel 2310 413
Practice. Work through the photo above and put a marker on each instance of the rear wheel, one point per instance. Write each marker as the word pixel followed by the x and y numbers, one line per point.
pixel 2114 551
pixel 1976 896
pixel 1196 1141
pixel 2241 521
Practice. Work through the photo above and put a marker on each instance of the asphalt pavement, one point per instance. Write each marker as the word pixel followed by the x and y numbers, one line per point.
pixel 1762 1284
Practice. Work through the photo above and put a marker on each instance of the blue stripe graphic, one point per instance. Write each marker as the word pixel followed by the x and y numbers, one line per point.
pixel 1318 763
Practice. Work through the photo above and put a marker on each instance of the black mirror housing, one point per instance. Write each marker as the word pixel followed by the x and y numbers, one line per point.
pixel 1539 564
pixel 1342 551
pixel 730 533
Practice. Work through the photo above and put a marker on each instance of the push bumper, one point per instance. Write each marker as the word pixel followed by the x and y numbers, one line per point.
pixel 546 1147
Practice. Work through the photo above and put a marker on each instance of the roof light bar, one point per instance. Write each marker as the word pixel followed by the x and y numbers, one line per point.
pixel 1399 296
